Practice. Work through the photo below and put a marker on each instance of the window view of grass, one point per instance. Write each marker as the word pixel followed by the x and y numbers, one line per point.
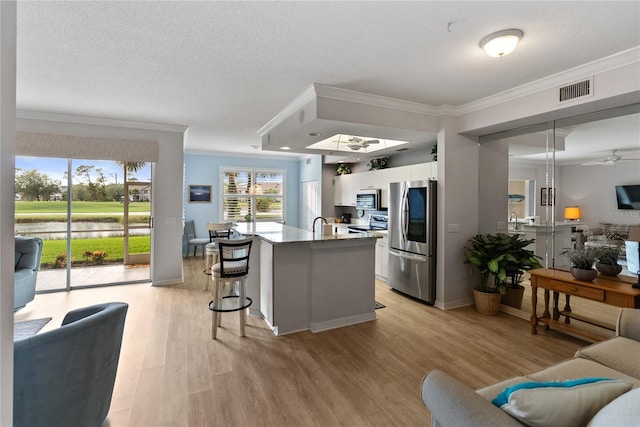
pixel 53 251
pixel 77 207
pixel 43 188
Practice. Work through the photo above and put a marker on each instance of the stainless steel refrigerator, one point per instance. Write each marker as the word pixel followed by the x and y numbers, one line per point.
pixel 412 238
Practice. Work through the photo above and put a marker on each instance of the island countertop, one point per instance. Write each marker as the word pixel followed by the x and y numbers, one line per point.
pixel 276 233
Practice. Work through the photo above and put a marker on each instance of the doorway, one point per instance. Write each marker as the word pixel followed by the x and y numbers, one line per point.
pixel 93 235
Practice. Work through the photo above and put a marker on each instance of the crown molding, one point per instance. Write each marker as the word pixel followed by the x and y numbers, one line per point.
pixel 347 95
pixel 298 102
pixel 261 155
pixel 315 91
pixel 97 121
pixel 617 60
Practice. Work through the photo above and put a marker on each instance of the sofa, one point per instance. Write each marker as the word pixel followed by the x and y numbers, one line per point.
pixel 607 234
pixel 548 397
pixel 65 377
pixel 28 251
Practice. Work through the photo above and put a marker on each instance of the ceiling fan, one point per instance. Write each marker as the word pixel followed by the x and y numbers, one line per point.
pixel 609 161
pixel 355 143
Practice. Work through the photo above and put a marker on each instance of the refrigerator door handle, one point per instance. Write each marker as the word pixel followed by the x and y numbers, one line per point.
pixel 405 212
pixel 413 257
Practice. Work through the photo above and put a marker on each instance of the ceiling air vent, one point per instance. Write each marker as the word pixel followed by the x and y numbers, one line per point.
pixel 575 91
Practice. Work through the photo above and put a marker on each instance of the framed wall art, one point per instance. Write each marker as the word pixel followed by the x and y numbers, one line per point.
pixel 543 196
pixel 547 196
pixel 200 193
pixel 551 196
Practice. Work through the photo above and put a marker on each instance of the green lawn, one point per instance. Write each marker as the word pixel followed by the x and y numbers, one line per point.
pixel 23 207
pixel 114 246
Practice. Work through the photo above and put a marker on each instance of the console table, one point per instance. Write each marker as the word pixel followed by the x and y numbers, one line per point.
pixel 616 291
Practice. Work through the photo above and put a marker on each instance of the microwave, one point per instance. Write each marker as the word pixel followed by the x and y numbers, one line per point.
pixel 368 200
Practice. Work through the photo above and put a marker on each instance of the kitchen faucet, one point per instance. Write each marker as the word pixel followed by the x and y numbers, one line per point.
pixel 515 227
pixel 313 227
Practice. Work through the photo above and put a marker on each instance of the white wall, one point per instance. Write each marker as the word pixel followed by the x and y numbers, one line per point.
pixel 457 207
pixel 593 189
pixel 493 177
pixel 167 189
pixel 616 86
pixel 7 161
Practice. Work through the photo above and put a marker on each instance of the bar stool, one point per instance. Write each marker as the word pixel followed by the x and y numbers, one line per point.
pixel 211 249
pixel 232 268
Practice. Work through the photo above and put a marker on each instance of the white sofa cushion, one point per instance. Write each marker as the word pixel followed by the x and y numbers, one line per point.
pixel 559 403
pixel 619 353
pixel 622 412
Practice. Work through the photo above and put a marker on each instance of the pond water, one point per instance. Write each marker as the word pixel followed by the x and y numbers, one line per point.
pixel 79 230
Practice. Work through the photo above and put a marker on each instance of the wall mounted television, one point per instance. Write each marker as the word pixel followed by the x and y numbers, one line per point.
pixel 628 196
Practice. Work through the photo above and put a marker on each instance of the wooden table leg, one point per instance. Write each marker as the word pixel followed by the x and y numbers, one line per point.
pixel 556 310
pixel 567 308
pixel 534 304
pixel 546 313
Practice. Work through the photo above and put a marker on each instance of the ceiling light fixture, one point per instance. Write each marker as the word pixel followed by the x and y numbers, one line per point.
pixel 501 43
pixel 285 148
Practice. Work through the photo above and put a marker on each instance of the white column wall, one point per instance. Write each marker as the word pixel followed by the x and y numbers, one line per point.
pixel 7 162
pixel 457 210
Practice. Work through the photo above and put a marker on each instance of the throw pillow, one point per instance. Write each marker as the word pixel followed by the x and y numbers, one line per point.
pixel 623 411
pixel 559 403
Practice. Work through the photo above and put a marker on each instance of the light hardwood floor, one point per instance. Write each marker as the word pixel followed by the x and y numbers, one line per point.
pixel 171 372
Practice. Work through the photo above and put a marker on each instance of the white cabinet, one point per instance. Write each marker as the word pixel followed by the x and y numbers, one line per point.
pixel 345 187
pixel 378 179
pixel 423 171
pixel 344 190
pixel 382 261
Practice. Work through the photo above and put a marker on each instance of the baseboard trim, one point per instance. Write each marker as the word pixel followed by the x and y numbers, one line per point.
pixel 343 321
pixel 167 282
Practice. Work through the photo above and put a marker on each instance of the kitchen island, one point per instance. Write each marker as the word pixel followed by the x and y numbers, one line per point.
pixel 310 281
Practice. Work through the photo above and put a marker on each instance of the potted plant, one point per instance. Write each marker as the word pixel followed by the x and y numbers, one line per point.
pixel 519 260
pixel 487 253
pixel 343 169
pixel 378 163
pixel 582 260
pixel 607 263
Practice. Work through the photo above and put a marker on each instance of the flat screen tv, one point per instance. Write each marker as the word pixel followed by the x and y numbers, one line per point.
pixel 628 196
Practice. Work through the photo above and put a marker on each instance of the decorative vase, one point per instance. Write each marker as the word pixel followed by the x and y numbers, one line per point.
pixel 608 269
pixel 584 275
pixel 487 303
pixel 513 297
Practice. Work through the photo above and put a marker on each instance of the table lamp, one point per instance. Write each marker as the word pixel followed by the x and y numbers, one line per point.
pixel 572 213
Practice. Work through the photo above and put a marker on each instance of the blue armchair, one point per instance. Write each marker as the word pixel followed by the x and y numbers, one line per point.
pixel 28 254
pixel 65 377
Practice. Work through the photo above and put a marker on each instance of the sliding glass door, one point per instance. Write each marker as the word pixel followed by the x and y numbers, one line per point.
pixel 94 220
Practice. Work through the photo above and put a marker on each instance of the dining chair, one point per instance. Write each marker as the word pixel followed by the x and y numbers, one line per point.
pixel 192 239
pixel 221 230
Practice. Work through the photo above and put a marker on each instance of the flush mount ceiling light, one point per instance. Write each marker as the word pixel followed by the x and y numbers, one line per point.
pixel 501 43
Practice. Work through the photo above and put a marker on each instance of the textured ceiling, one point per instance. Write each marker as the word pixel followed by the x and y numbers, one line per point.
pixel 226 68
